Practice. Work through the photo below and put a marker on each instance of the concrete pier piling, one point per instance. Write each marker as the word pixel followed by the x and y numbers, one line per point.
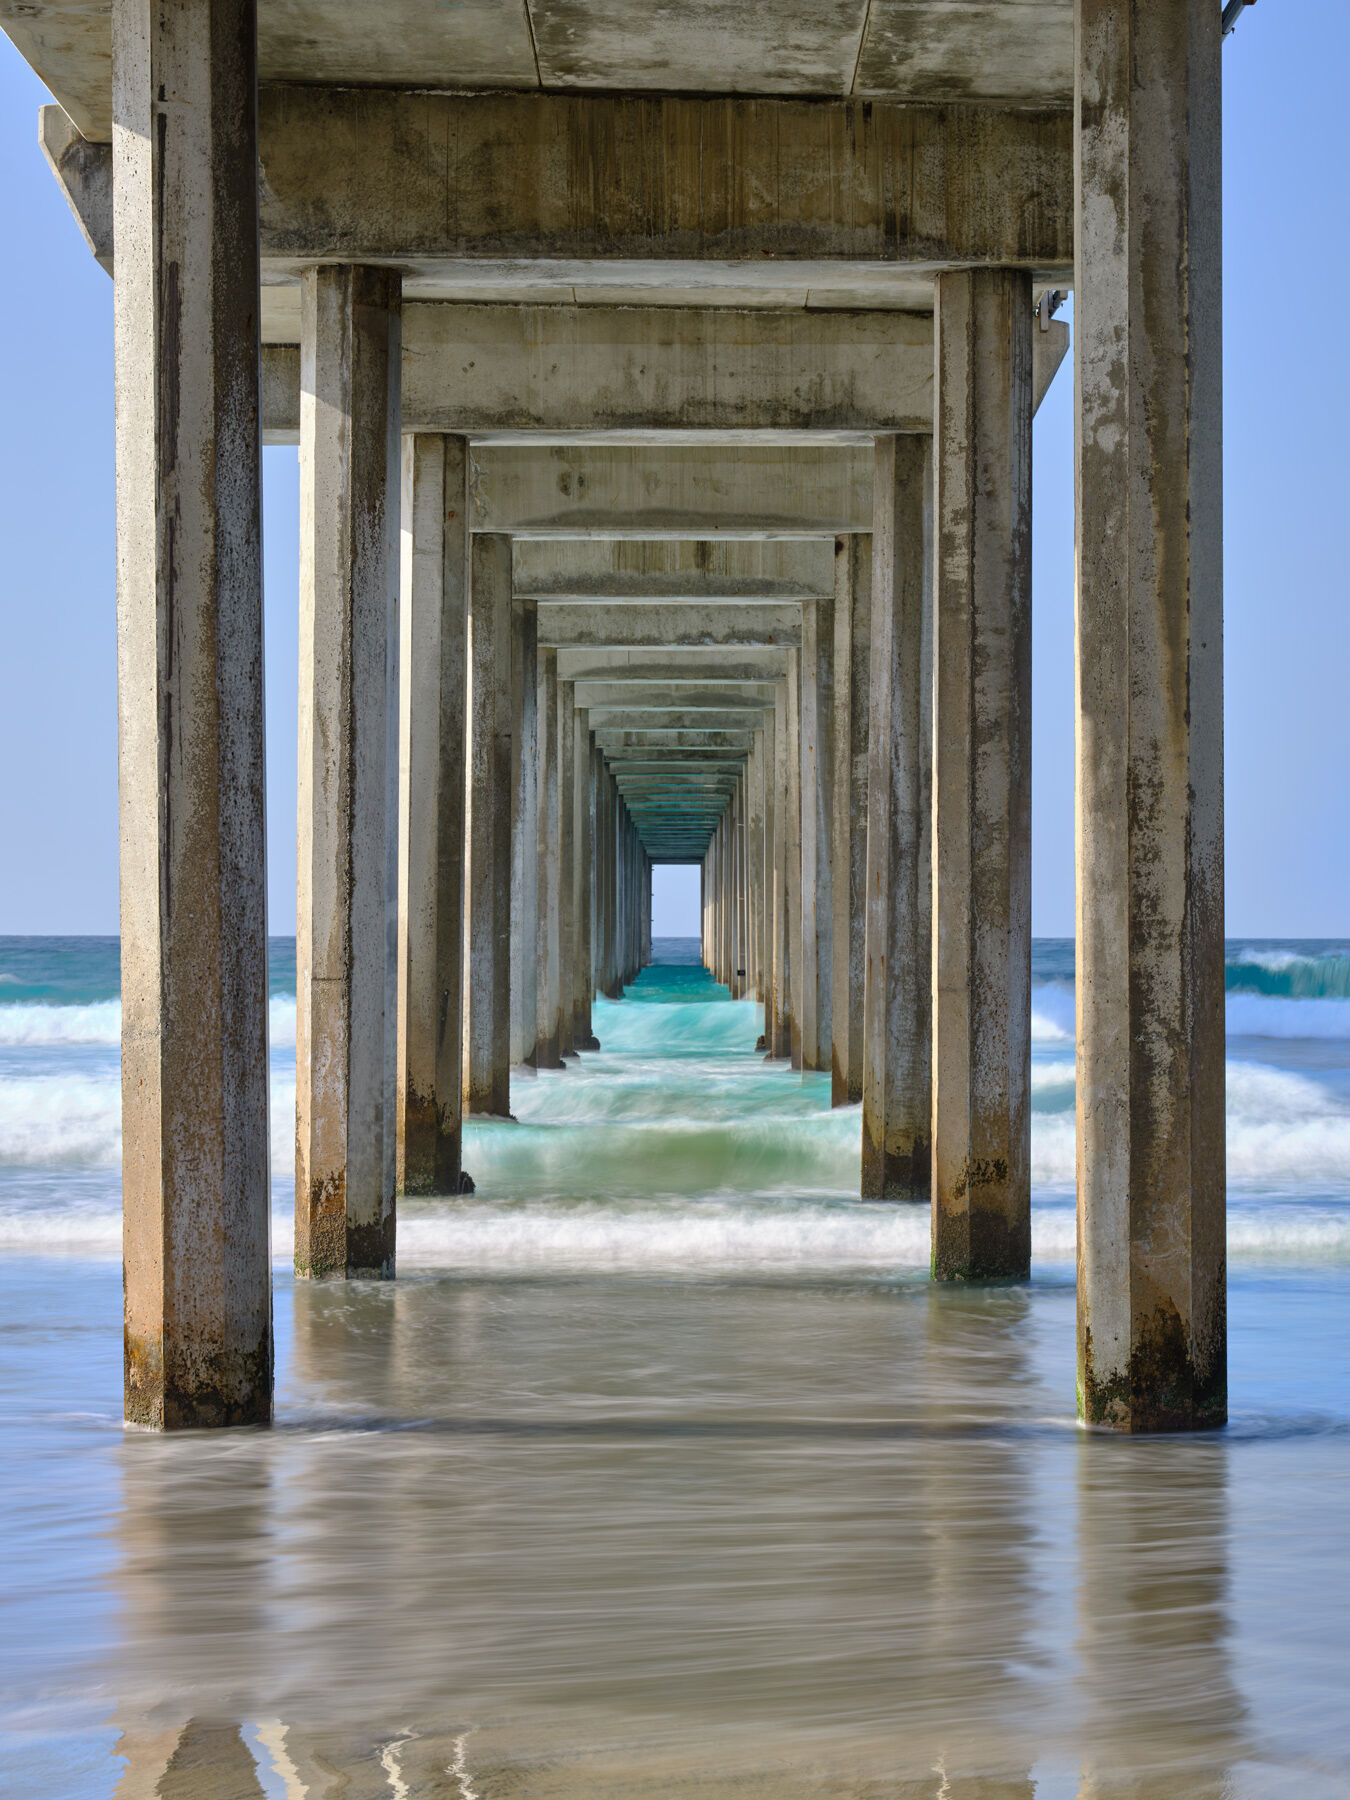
pixel 345 945
pixel 433 652
pixel 716 515
pixel 1151 1154
pixel 982 777
pixel 548 1041
pixel 852 661
pixel 488 1035
pixel 897 1149
pixel 524 831
pixel 198 1307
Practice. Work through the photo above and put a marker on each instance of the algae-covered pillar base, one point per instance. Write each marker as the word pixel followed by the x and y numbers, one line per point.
pixel 1151 1272
pixel 345 942
pixel 897 1151
pixel 982 777
pixel 198 1291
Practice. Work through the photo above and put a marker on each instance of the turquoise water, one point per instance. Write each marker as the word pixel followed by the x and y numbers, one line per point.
pixel 662 1469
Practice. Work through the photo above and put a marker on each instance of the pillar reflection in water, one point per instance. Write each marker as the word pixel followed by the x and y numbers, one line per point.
pixel 572 1547
pixel 1164 1716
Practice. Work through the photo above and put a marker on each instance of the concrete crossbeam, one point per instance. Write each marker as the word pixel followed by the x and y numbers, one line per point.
pixel 685 702
pixel 658 667
pixel 672 740
pixel 646 491
pixel 692 571
pixel 680 392
pixel 626 625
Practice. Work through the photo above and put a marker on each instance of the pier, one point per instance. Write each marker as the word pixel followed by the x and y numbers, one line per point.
pixel 663 398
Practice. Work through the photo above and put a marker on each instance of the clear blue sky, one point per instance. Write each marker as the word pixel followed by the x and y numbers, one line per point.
pixel 1287 273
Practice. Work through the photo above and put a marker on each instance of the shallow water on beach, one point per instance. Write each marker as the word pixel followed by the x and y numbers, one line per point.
pixel 663 1470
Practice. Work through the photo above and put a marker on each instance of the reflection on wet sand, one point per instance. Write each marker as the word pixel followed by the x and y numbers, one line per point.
pixel 1163 1713
pixel 560 1539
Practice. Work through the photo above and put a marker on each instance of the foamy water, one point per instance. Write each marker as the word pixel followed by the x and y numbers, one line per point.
pixel 676 1147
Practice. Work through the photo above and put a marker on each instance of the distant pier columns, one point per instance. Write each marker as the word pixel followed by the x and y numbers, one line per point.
pixel 583 887
pixel 897 1062
pixel 567 741
pixel 524 831
pixel 982 776
pixel 488 1034
pixel 1151 1152
pixel 780 1035
pixel 433 651
pixel 817 778
pixel 198 1303
pixel 548 1043
pixel 346 949
pixel 852 659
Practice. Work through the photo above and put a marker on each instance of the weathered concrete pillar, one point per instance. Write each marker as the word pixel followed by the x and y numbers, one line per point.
pixel 524 831
pixel 897 1148
pixel 852 658
pixel 198 1291
pixel 982 777
pixel 346 950
pixel 548 860
pixel 1151 1180
pixel 567 961
pixel 780 1041
pixel 768 916
pixel 433 651
pixel 794 853
pixel 817 767
pixel 610 984
pixel 488 1037
pixel 754 866
pixel 583 814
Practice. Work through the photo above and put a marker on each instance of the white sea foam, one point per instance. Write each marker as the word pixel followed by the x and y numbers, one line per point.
pixel 61 1121
pixel 36 1024
pixel 691 1240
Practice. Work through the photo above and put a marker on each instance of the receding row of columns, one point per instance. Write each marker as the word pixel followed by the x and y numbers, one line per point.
pixel 920 818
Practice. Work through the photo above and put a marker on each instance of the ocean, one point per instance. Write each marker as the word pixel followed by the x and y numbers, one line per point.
pixel 663 1468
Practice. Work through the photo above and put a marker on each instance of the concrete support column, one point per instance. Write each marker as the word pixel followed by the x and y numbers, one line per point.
pixel 548 860
pixel 611 986
pixel 583 815
pixel 769 914
pixel 817 767
pixel 897 1148
pixel 754 866
pixel 433 652
pixel 488 1038
pixel 198 1290
pixel 852 659
pixel 780 1041
pixel 567 960
pixel 1151 1169
pixel 346 949
pixel 794 854
pixel 742 886
pixel 524 832
pixel 982 777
